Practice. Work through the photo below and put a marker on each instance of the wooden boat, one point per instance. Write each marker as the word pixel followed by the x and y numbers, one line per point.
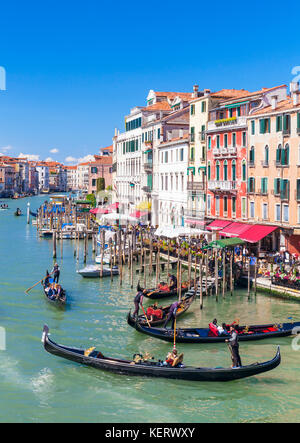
pixel 61 301
pixel 18 212
pixel 185 304
pixel 93 271
pixel 92 357
pixel 201 335
pixel 155 294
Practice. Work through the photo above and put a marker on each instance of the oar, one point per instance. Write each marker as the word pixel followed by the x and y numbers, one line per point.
pixel 230 349
pixel 174 346
pixel 145 316
pixel 27 290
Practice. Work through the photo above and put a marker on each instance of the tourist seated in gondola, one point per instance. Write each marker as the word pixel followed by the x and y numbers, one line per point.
pixel 58 291
pixel 222 330
pixel 50 291
pixel 154 313
pixel 163 286
pixel 173 282
pixel 213 328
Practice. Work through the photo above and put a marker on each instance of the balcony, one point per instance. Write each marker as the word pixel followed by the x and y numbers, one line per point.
pixel 195 186
pixel 232 150
pixel 147 189
pixel 221 185
pixel 216 152
pixel 148 167
pixel 225 123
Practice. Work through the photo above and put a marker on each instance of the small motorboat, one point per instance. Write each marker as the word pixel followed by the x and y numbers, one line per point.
pixel 93 271
pixel 18 212
pixel 150 368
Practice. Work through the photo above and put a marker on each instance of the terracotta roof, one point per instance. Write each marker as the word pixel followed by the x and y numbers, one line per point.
pixel 184 137
pixel 70 167
pixel 108 148
pixel 103 159
pixel 160 106
pixel 230 93
pixel 172 95
pixel 283 105
pixel 261 91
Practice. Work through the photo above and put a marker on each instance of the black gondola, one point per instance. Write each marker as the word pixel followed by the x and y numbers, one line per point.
pixel 59 301
pixel 155 294
pixel 185 304
pixel 18 212
pixel 152 368
pixel 33 214
pixel 202 335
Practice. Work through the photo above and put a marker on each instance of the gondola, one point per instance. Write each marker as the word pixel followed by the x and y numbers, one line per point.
pixel 33 214
pixel 60 301
pixel 156 294
pixel 18 212
pixel 185 304
pixel 151 368
pixel 202 335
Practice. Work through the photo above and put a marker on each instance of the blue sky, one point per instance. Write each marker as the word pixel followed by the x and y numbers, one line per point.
pixel 74 69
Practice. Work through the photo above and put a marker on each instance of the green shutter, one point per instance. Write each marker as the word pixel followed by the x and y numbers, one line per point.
pixel 262 125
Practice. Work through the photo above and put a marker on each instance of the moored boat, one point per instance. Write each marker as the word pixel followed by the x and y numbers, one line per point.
pixel 156 293
pixel 150 368
pixel 202 335
pixel 184 306
pixel 93 271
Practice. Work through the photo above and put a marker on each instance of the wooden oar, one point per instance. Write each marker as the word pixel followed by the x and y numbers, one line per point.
pixel 27 290
pixel 145 316
pixel 174 346
pixel 230 349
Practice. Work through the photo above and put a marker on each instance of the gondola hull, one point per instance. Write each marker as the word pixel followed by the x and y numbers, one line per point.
pixel 186 303
pixel 201 335
pixel 154 369
pixel 155 294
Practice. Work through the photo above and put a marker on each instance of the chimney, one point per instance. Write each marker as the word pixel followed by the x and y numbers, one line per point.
pixel 295 97
pixel 294 87
pixel 207 91
pixel 195 91
pixel 274 100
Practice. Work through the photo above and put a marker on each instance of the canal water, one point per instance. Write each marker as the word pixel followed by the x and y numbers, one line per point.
pixel 38 387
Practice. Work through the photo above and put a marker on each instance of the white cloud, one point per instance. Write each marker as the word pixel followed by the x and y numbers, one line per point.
pixel 6 148
pixel 54 151
pixel 31 157
pixel 74 160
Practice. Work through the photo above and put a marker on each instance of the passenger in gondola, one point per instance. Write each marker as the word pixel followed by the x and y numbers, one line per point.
pixel 50 291
pixel 46 281
pixel 58 291
pixel 173 282
pixel 213 328
pixel 222 330
pixel 138 301
pixel 56 272
pixel 173 359
pixel 234 345
pixel 172 314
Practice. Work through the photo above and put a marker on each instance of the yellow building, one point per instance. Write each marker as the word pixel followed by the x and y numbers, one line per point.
pixel 274 170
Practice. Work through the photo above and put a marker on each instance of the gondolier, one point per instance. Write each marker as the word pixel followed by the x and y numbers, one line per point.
pixel 138 300
pixel 172 314
pixel 234 345
pixel 56 272
pixel 173 282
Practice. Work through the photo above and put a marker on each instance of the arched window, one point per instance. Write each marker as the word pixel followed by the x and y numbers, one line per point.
pixel 225 170
pixel 233 170
pixel 217 170
pixel 252 155
pixel 266 155
pixel 278 154
pixel 285 155
pixel 244 171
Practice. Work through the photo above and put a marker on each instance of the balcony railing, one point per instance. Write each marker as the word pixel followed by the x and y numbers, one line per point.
pixel 148 167
pixel 221 185
pixel 227 122
pixel 195 186
pixel 230 150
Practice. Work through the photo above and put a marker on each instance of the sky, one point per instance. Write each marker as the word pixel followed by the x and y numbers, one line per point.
pixel 75 69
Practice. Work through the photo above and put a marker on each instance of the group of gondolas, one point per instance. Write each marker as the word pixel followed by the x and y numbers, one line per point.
pixel 172 366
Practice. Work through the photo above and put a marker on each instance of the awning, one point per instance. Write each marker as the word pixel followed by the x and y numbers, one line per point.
pixel 234 105
pixel 138 214
pixel 113 206
pixel 225 243
pixel 100 211
pixel 218 224
pixel 257 232
pixel 190 221
pixel 235 229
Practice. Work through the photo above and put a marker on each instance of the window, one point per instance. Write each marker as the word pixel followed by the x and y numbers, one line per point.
pixel 233 203
pixel 279 123
pixel 166 157
pixel 225 140
pixel 252 155
pixel 217 205
pixel 264 125
pixel 217 170
pixel 244 139
pixel 284 189
pixel 209 142
pixel 278 154
pixel 94 170
pixel 266 155
pixel 225 205
pixel 251 185
pixel 277 186
pixel 265 211
pixel 244 171
pixel 252 209
pixel 158 133
pixel 208 171
pixel 285 155
pixel 192 133
pixel 94 182
pixel 298 214
pixel 234 139
pixel 218 141
pixel 285 213
pixel 233 170
pixel 203 133
pixel 203 107
pixel 298 189
pixel 208 204
pixel 264 185
pixel 277 212
pixel 181 155
pixel 298 122
pixel 192 154
pixel 252 127
pixel 225 171
pixel 192 109
pixel 166 182
pixel 244 201
pixel 286 123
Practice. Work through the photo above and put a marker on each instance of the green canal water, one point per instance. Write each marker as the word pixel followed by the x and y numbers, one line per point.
pixel 38 387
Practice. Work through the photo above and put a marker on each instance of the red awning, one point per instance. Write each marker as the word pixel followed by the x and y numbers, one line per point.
pixel 257 232
pixel 100 211
pixel 218 224
pixel 113 206
pixel 235 229
pixel 138 214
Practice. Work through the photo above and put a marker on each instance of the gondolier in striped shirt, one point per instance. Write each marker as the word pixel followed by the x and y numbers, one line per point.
pixel 233 342
pixel 56 272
